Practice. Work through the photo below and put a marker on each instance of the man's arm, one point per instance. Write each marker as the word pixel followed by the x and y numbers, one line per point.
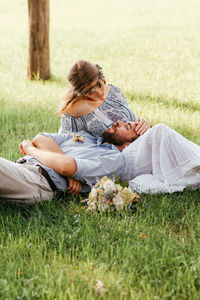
pixel 44 143
pixel 63 164
pixel 74 186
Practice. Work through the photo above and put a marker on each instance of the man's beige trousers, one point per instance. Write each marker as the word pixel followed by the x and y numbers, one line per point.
pixel 23 183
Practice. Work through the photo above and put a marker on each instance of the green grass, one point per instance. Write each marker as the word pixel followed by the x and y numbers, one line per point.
pixel 57 250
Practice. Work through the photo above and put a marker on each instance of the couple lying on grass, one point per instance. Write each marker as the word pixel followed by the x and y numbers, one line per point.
pixel 153 160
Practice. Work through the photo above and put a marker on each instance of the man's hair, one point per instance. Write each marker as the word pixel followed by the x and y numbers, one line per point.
pixel 116 139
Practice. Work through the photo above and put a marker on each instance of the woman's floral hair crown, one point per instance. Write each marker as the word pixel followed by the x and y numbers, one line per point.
pixel 100 76
pixel 80 90
pixel 100 73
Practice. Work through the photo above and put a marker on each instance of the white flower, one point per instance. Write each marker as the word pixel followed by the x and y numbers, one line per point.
pixel 103 180
pixel 127 195
pixel 119 187
pixel 99 288
pixel 93 193
pixel 92 206
pixel 109 186
pixel 118 201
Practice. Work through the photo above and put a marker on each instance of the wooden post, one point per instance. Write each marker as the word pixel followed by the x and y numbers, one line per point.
pixel 38 56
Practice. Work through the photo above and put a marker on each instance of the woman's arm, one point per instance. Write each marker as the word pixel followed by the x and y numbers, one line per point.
pixel 142 126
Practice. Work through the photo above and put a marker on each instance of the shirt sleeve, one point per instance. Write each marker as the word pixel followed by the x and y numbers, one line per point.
pixel 58 137
pixel 66 125
pixel 109 164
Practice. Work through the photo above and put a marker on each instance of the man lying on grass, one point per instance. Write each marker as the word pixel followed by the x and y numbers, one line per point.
pixel 161 160
pixel 51 160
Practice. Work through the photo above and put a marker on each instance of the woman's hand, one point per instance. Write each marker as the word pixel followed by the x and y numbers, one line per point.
pixel 74 186
pixel 142 126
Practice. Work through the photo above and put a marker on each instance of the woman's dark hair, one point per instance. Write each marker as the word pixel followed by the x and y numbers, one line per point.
pixel 81 76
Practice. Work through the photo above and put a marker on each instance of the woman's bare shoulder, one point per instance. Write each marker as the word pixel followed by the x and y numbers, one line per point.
pixel 83 107
pixel 78 109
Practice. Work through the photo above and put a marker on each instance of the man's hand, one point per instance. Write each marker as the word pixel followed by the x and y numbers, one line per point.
pixel 23 146
pixel 74 186
pixel 142 126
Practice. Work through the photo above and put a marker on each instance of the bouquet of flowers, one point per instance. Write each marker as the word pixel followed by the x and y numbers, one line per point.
pixel 106 194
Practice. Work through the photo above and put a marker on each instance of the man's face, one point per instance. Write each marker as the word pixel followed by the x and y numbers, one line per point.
pixel 125 130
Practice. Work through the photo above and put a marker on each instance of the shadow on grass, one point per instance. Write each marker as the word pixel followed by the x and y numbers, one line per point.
pixel 55 79
pixel 58 80
pixel 170 207
pixel 59 202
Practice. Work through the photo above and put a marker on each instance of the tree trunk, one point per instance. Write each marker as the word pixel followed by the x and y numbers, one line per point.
pixel 38 57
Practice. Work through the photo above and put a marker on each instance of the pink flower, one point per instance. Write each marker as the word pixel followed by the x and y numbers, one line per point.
pixel 105 200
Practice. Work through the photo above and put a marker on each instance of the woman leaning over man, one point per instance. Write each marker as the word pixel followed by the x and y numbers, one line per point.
pixel 91 105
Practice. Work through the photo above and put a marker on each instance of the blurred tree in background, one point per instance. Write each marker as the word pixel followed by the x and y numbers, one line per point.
pixel 38 56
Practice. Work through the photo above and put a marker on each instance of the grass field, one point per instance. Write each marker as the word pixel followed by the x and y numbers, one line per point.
pixel 57 250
